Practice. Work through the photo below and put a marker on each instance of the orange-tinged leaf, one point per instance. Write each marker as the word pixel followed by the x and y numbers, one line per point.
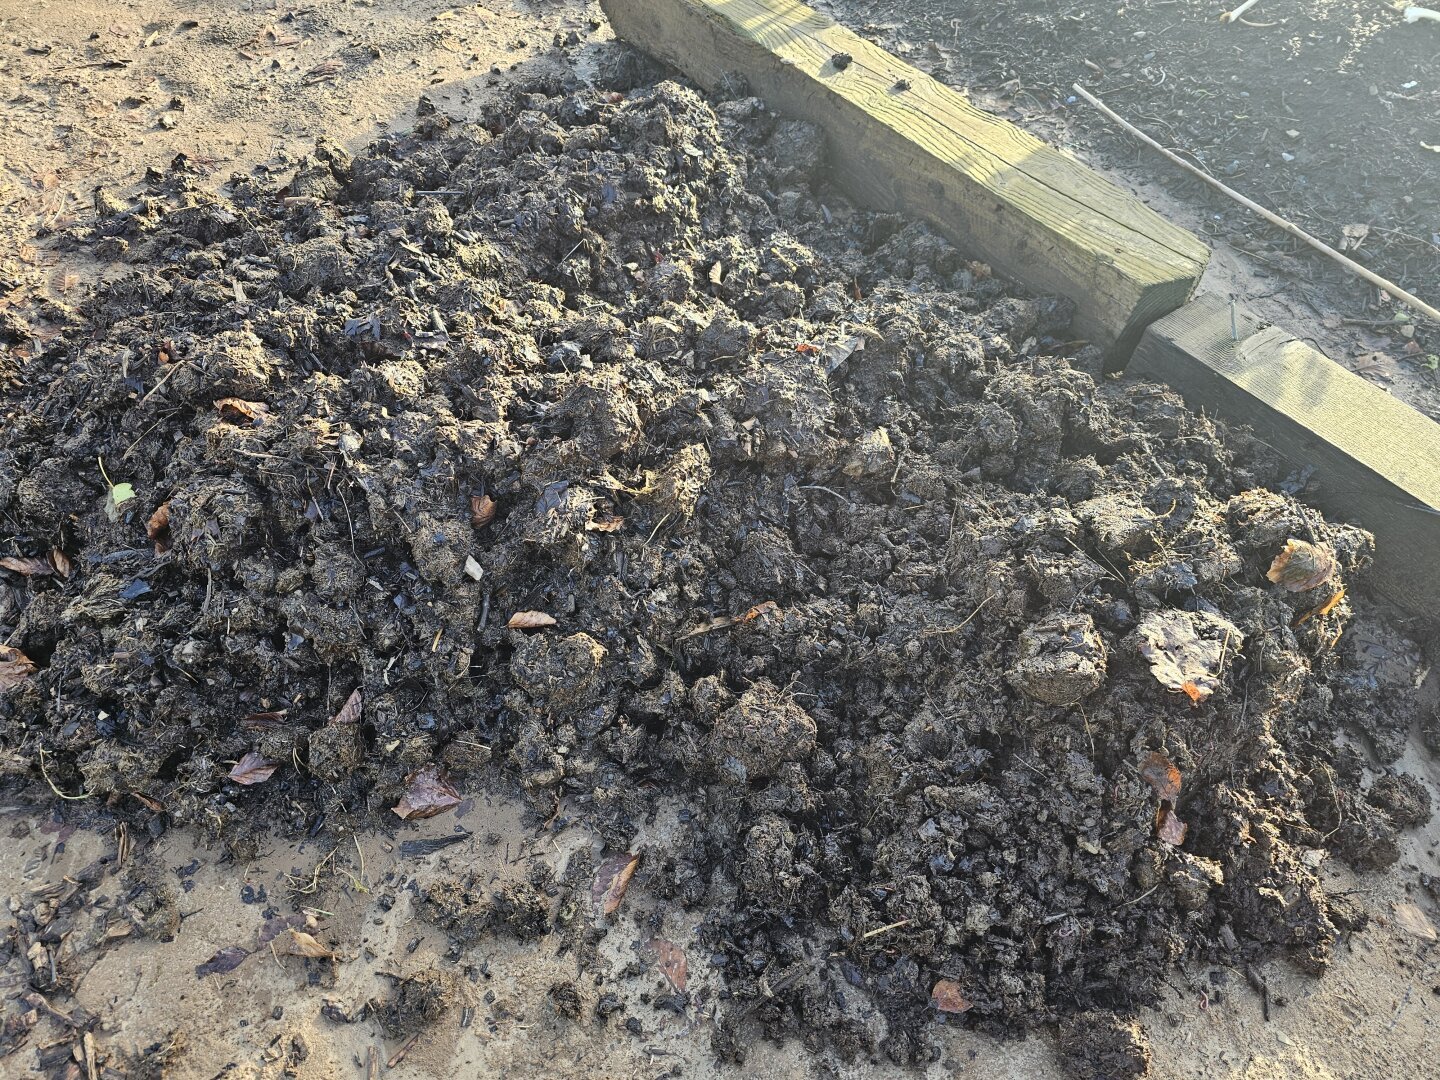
pixel 158 528
pixel 1302 566
pixel 945 995
pixel 1194 691
pixel 530 620
pixel 30 567
pixel 350 712
pixel 253 769
pixel 1323 610
pixel 1169 827
pixel 482 510
pixel 15 667
pixel 1160 773
pixel 429 794
pixel 611 881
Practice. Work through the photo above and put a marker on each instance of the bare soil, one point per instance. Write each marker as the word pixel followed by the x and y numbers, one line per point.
pixel 795 645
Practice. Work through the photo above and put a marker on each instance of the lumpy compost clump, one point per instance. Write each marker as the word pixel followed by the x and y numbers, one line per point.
pixel 600 449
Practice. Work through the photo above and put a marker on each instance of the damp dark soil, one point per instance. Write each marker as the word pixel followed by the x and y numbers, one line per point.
pixel 1325 111
pixel 600 449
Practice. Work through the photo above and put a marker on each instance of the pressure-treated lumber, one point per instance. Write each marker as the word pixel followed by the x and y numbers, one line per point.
pixel 900 141
pixel 1376 460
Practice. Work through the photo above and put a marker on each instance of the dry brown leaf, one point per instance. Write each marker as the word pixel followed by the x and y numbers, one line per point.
pixel 158 528
pixel 15 667
pixel 1302 566
pixel 264 719
pixel 946 996
pixel 482 510
pixel 1160 773
pixel 153 805
pixel 28 566
pixel 611 881
pixel 1188 649
pixel 605 523
pixel 235 409
pixel 429 794
pixel 62 563
pixel 1169 827
pixel 530 620
pixel 350 712
pixel 298 943
pixel 670 958
pixel 253 769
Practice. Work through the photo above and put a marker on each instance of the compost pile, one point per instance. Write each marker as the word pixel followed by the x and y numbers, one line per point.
pixel 600 447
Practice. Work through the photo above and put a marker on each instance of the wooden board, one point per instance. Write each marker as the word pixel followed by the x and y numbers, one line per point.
pixel 900 141
pixel 1376 460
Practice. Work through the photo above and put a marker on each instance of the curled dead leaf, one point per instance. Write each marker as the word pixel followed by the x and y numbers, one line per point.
pixel 158 528
pixel 350 712
pixel 62 563
pixel 1302 566
pixel 1160 773
pixel 429 794
pixel 605 523
pixel 30 567
pixel 1169 827
pixel 530 620
pixel 482 510
pixel 611 881
pixel 236 409
pixel 298 943
pixel 253 769
pixel 223 962
pixel 670 959
pixel 15 667
pixel 767 607
pixel 945 995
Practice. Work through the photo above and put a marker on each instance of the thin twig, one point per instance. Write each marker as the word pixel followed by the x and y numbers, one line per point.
pixel 1325 249
pixel 883 929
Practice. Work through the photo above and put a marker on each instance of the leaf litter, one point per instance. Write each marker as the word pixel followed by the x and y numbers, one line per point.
pixel 842 767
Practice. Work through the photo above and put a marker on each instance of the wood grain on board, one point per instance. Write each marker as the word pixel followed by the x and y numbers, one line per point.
pixel 900 141
pixel 1376 460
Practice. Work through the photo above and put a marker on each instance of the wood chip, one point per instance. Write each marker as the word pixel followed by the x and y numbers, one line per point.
pixel 611 881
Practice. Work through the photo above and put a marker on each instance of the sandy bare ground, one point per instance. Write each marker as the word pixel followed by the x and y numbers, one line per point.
pixel 91 93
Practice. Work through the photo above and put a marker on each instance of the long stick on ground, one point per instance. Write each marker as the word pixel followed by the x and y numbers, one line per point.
pixel 1355 268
